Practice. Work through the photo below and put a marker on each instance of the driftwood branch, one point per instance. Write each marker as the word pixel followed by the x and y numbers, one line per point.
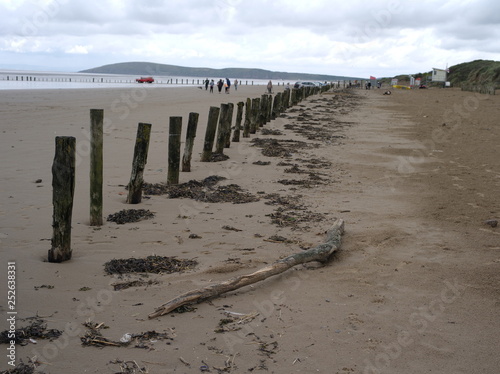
pixel 320 253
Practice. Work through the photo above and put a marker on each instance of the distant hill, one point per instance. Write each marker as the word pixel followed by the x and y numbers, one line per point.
pixel 152 69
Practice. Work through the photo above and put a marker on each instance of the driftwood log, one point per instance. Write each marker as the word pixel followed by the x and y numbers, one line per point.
pixel 319 253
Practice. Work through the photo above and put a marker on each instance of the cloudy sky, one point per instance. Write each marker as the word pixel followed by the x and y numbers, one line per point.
pixel 340 37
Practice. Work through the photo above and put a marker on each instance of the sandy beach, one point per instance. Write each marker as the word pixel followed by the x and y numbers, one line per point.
pixel 414 288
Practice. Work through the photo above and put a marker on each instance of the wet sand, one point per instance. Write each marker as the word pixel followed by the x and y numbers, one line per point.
pixel 415 288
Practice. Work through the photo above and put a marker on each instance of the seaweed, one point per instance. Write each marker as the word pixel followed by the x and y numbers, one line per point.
pixel 150 264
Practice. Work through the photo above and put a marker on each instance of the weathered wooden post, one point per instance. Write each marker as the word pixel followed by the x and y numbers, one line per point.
pixel 237 126
pixel 139 163
pixel 286 99
pixel 276 106
pixel 228 123
pixel 190 135
pixel 255 115
pixel 222 129
pixel 262 110
pixel 174 150
pixel 248 118
pixel 96 136
pixel 269 108
pixel 213 116
pixel 63 188
pixel 294 94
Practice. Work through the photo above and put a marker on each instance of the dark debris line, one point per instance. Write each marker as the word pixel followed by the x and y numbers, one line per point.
pixel 205 191
pixel 150 264
pixel 37 329
pixel 130 215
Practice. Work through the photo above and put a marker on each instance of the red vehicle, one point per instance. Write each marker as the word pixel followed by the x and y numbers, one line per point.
pixel 145 80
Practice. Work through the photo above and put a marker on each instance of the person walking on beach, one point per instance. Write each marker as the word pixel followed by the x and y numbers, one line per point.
pixel 206 84
pixel 219 85
pixel 270 87
pixel 228 85
pixel 236 84
pixel 212 84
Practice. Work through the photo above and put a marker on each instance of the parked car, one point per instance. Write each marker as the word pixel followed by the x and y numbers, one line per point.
pixel 304 84
pixel 145 80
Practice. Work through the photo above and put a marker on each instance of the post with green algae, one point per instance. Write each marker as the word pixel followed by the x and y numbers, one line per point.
pixel 213 117
pixel 190 135
pixel 174 150
pixel 63 189
pixel 248 118
pixel 222 129
pixel 96 165
pixel 237 125
pixel 139 163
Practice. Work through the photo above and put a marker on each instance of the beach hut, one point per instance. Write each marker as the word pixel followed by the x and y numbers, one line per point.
pixel 438 75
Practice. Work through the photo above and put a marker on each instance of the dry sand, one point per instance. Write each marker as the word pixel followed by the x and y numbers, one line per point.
pixel 415 288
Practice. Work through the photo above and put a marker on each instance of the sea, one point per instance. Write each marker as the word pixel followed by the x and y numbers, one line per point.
pixel 30 80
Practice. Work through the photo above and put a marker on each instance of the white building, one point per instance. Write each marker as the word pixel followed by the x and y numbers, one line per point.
pixel 438 75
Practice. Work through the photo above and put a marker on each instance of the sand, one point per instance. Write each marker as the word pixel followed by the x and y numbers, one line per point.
pixel 415 288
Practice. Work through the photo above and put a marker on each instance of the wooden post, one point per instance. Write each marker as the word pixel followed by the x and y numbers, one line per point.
pixel 96 136
pixel 262 111
pixel 237 126
pixel 213 116
pixel 222 129
pixel 139 163
pixel 174 150
pixel 294 99
pixel 286 99
pixel 269 101
pixel 276 106
pixel 190 135
pixel 227 125
pixel 248 118
pixel 63 188
pixel 255 115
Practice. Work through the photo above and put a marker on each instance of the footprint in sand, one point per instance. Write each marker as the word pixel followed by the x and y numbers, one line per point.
pixel 459 186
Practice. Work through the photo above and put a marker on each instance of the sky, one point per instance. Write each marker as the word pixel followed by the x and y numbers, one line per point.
pixel 355 38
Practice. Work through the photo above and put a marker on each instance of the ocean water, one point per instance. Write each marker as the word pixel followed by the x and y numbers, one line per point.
pixel 30 80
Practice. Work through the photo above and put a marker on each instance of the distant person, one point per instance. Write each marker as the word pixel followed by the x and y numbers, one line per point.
pixel 212 84
pixel 236 84
pixel 220 83
pixel 228 85
pixel 379 84
pixel 270 87
pixel 287 87
pixel 206 84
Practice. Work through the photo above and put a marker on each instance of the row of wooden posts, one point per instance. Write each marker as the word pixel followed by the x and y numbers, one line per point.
pixel 258 111
pixel 83 79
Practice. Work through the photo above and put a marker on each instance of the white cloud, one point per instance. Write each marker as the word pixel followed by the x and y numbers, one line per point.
pixel 358 38
pixel 78 49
